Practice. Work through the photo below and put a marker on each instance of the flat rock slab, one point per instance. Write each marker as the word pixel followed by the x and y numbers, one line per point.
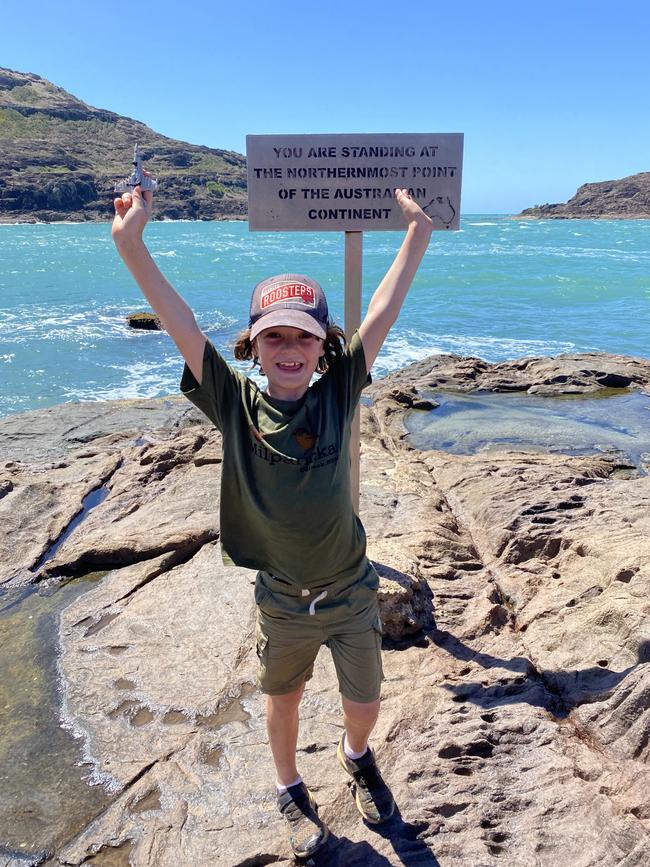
pixel 40 502
pixel 44 435
pixel 77 495
pixel 195 639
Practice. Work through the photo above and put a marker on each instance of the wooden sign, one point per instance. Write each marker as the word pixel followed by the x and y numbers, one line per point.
pixel 321 183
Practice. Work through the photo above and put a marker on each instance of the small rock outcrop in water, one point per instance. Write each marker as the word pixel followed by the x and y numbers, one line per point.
pixel 515 726
pixel 144 321
pixel 624 199
pixel 60 159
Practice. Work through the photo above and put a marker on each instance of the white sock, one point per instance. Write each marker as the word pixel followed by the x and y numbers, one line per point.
pixel 282 789
pixel 351 753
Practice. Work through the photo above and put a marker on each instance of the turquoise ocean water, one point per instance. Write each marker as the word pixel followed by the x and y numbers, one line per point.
pixel 498 289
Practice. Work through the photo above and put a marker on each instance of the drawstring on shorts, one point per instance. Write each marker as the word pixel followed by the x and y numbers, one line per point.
pixel 319 598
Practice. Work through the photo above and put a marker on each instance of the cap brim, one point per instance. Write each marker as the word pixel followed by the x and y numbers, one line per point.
pixel 292 318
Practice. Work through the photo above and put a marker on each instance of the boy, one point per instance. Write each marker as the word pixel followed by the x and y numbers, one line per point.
pixel 286 507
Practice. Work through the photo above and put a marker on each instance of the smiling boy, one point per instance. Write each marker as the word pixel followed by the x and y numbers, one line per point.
pixel 286 503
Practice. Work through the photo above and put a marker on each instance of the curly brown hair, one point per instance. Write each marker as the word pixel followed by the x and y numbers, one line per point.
pixel 333 347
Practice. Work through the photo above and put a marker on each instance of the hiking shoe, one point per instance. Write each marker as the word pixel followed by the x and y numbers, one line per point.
pixel 306 831
pixel 374 798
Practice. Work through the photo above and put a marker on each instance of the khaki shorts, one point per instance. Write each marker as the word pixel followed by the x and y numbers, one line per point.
pixel 292 624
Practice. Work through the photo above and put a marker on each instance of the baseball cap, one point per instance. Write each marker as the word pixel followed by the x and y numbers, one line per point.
pixel 289 299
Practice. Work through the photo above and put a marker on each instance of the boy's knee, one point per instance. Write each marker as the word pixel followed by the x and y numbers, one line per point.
pixel 286 702
pixel 361 711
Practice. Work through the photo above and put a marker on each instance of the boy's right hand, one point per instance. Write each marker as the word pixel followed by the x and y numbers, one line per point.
pixel 132 212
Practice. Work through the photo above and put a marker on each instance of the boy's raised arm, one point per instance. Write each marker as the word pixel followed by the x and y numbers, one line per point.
pixel 132 212
pixel 387 300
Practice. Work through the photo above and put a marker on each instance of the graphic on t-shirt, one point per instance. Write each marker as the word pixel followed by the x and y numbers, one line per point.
pixel 305 439
pixel 313 459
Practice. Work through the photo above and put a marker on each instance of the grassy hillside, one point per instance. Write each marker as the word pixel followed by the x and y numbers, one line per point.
pixel 59 159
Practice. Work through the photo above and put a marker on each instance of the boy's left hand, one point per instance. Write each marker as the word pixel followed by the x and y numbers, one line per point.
pixel 413 213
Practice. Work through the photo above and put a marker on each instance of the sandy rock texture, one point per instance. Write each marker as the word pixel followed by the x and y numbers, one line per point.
pixel 515 727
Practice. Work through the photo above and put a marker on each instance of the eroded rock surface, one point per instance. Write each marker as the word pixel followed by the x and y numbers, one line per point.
pixel 581 373
pixel 108 463
pixel 514 730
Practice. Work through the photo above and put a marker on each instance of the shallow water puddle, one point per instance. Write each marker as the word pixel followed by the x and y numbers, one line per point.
pixel 572 424
pixel 47 792
pixel 44 794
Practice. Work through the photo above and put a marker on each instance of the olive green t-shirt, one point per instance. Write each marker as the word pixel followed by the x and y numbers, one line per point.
pixel 286 505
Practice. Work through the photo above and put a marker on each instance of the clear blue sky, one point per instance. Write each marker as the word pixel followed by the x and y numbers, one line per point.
pixel 549 94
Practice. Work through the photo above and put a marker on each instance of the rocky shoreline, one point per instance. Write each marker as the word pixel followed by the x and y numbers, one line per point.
pixel 515 726
pixel 52 218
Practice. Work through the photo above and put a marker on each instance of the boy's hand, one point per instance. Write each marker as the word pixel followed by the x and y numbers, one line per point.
pixel 132 212
pixel 413 213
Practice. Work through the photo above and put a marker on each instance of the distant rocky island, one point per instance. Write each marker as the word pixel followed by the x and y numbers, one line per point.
pixel 624 199
pixel 60 158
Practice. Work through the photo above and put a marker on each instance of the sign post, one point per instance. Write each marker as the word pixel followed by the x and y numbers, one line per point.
pixel 353 255
pixel 327 183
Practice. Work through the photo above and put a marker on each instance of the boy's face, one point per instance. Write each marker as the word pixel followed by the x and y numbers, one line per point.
pixel 289 357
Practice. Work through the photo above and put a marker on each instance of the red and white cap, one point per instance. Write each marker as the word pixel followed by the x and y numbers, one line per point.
pixel 289 299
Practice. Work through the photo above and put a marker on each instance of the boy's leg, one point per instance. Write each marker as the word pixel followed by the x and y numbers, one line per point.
pixel 359 719
pixel 287 652
pixel 373 797
pixel 282 727
pixel 357 658
pixel 307 832
pixel 286 657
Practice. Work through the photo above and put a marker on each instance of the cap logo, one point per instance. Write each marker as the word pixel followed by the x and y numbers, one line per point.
pixel 288 292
